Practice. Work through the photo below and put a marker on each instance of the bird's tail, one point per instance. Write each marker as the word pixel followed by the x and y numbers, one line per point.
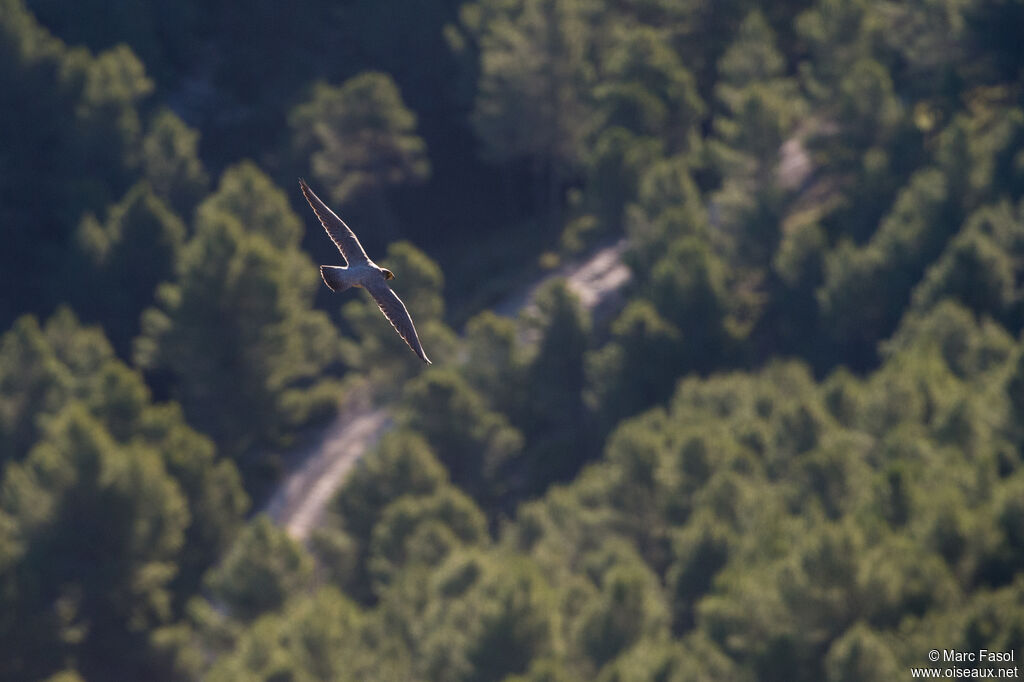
pixel 332 277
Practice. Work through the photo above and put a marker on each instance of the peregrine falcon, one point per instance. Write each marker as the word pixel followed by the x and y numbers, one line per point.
pixel 362 272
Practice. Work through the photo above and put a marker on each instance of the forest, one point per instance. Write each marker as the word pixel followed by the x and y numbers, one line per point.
pixel 792 450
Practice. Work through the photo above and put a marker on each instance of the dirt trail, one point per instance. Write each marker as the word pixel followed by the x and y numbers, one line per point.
pixel 299 503
pixel 594 280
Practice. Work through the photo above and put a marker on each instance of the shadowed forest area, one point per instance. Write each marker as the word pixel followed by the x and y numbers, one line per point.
pixel 795 451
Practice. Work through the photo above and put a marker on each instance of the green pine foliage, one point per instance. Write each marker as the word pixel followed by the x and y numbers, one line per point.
pixel 112 505
pixel 234 332
pixel 360 137
pixel 789 448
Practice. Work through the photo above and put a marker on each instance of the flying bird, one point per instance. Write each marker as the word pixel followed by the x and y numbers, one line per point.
pixel 362 272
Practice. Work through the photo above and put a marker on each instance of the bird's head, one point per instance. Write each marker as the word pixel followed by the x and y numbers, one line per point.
pixel 387 273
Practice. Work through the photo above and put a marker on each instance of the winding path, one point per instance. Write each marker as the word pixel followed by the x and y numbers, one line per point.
pixel 594 280
pixel 299 503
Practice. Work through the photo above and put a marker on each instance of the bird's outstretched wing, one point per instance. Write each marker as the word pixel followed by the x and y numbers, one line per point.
pixel 393 309
pixel 338 231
